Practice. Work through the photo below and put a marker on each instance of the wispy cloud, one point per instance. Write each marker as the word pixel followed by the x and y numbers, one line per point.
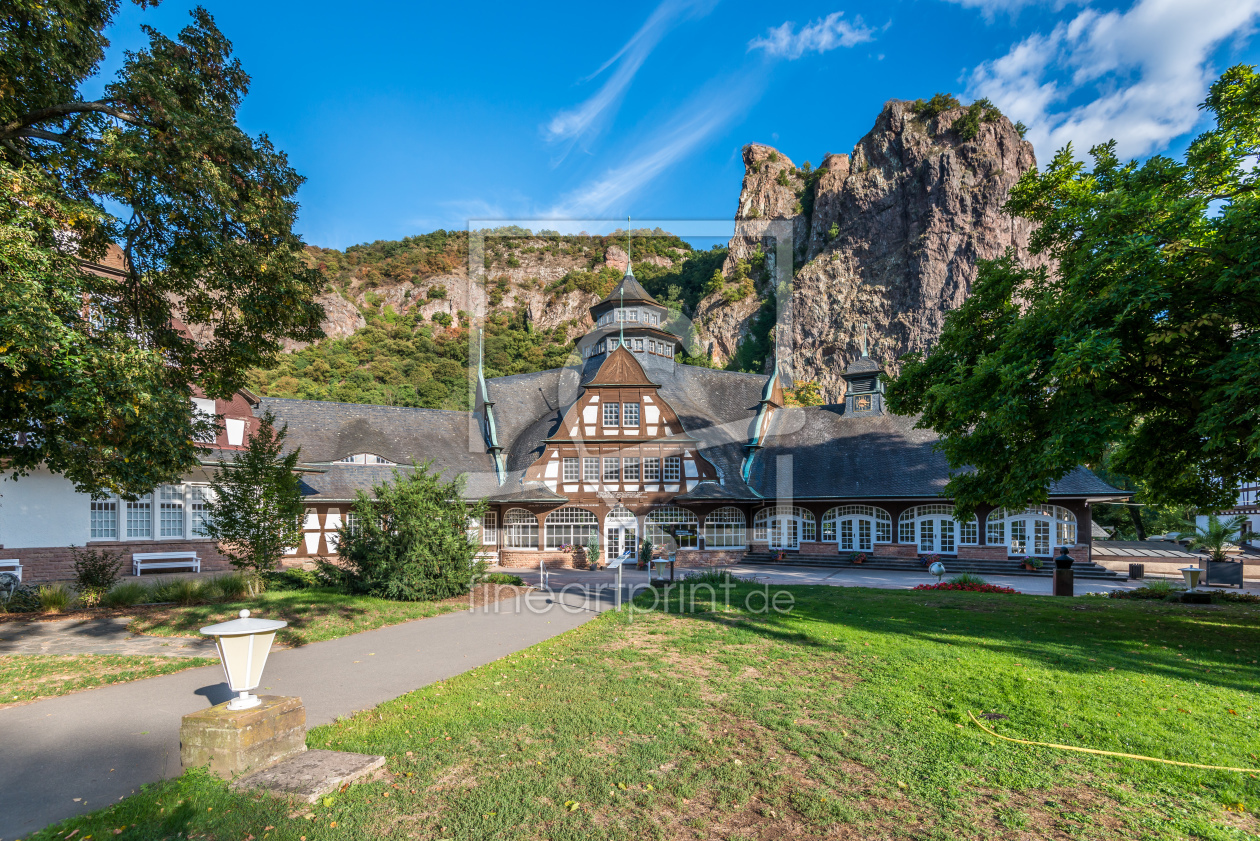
pixel 1136 76
pixel 586 118
pixel 823 35
pixel 720 103
pixel 990 8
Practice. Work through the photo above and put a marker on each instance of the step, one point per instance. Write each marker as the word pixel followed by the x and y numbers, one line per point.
pixel 1085 570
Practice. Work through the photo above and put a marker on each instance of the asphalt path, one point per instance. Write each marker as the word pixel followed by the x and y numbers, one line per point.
pixel 80 752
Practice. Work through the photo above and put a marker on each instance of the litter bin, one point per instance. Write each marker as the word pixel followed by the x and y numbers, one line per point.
pixel 1137 571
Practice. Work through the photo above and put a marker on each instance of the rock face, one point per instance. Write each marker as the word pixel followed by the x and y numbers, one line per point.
pixel 892 241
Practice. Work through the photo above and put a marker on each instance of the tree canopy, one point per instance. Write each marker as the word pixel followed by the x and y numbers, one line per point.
pixel 1136 343
pixel 97 368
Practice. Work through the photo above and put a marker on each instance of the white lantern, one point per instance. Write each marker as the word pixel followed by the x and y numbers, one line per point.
pixel 243 646
pixel 1191 574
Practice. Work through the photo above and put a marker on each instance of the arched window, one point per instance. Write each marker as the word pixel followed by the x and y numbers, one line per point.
pixel 671 515
pixel 520 529
pixel 933 529
pixel 1028 532
pixel 784 527
pixel 725 527
pixel 857 527
pixel 570 526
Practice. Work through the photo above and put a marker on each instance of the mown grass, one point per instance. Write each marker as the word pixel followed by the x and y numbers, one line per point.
pixel 313 615
pixel 846 718
pixel 29 677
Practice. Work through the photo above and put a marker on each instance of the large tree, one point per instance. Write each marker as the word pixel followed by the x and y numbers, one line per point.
pixel 97 370
pixel 1139 348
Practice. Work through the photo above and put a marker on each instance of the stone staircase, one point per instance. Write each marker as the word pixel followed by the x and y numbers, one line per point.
pixel 1088 570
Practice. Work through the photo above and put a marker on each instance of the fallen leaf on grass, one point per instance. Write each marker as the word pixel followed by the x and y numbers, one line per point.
pixel 571 805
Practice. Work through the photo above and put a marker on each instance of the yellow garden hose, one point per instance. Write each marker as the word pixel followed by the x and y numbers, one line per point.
pixel 1110 753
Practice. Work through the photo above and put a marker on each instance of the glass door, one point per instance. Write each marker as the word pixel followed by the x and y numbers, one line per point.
pixel 785 533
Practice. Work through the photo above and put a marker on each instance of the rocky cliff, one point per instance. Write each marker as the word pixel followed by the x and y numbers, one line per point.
pixel 886 236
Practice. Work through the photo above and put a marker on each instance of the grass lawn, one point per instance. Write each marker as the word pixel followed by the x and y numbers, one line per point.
pixel 845 719
pixel 27 677
pixel 313 615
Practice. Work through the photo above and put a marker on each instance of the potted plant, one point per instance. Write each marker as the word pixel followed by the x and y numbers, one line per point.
pixel 1032 563
pixel 857 557
pixel 592 552
pixel 928 560
pixel 645 553
pixel 782 556
pixel 1212 537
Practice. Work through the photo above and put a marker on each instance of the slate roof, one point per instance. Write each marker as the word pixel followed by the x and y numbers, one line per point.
pixel 835 455
pixel 328 431
pixel 620 368
pixel 342 482
pixel 709 490
pixel 634 291
pixel 863 365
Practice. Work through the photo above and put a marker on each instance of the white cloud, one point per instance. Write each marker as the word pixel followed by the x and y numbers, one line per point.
pixel 694 122
pixel 990 8
pixel 586 118
pixel 1135 76
pixel 823 35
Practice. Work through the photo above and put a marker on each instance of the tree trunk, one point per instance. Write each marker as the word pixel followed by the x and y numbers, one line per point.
pixel 1136 516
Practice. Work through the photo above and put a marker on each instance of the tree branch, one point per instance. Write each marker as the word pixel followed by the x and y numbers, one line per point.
pixel 57 112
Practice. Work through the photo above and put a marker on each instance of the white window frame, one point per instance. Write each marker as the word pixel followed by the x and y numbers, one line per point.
pixel 630 414
pixel 612 414
pixel 612 470
pixel 630 469
pixel 725 528
pixel 571 469
pixel 673 468
pixel 877 520
pixel 590 469
pixel 1037 530
pixel 103 523
pixel 921 525
pixel 143 517
pixel 171 512
pixel 668 515
pixel 569 526
pixel 490 528
pixel 652 469
pixel 761 522
pixel 520 529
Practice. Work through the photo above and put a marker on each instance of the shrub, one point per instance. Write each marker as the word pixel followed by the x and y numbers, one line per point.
pixel 411 543
pixel 1238 597
pixel 970 588
pixel 1155 588
pixel 25 599
pixel 782 179
pixel 442 318
pixel 127 594
pixel 967 578
pixel 437 292
pixel 294 579
pixel 54 598
pixel 1021 128
pixel 95 572
pixel 935 106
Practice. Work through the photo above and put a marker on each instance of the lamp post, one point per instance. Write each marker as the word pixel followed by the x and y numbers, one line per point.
pixel 243 646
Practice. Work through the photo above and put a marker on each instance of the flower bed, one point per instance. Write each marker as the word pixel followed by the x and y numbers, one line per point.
pixel 970 588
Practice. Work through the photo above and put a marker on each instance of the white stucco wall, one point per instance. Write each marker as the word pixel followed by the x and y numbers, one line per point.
pixel 42 510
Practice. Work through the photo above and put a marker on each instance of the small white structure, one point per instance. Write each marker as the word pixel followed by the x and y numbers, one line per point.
pixel 140 561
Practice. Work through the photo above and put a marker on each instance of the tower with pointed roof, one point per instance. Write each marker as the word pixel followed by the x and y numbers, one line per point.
pixel 629 316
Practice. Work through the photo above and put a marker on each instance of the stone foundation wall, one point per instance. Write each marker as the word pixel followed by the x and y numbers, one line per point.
pixel 982 553
pixel 526 558
pixel 896 550
pixel 691 558
pixel 56 564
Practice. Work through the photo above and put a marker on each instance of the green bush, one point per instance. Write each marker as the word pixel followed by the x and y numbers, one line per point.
pixel 967 578
pixel 295 579
pixel 437 292
pixel 442 318
pixel 25 599
pixel 937 105
pixel 127 594
pixel 232 586
pixel 782 179
pixel 95 571
pixel 54 598
pixel 411 543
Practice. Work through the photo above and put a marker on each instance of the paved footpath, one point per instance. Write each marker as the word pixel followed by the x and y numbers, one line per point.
pixel 98 635
pixel 81 752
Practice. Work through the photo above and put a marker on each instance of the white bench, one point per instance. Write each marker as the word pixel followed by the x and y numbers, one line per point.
pixel 141 561
pixel 13 565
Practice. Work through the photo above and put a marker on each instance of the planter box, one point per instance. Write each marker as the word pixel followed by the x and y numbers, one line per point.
pixel 1224 572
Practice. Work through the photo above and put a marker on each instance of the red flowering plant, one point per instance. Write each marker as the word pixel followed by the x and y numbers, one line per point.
pixel 970 588
pixel 857 557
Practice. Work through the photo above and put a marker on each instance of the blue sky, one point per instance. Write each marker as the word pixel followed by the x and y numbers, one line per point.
pixel 407 117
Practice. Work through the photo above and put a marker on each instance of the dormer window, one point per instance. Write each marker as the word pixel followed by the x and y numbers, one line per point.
pixel 632 315
pixel 364 458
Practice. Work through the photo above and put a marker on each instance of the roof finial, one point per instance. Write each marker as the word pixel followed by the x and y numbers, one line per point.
pixel 864 353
